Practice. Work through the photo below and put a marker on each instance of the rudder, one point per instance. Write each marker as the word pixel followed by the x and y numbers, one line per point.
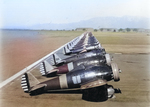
pixel 25 83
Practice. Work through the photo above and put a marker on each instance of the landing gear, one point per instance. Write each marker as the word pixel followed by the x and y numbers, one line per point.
pixel 95 94
pixel 115 71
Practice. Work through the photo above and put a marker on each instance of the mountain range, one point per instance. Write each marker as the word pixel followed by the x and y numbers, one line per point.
pixel 97 23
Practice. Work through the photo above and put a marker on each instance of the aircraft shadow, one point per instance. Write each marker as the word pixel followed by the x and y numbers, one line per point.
pixel 85 94
pixel 66 92
pixel 101 99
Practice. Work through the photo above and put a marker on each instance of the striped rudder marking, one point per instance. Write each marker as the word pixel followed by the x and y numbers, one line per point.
pixel 25 83
pixel 42 69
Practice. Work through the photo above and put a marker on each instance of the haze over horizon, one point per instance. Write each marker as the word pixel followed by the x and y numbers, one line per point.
pixel 25 13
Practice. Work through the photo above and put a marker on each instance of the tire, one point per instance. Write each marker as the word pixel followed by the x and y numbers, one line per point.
pixel 115 71
pixel 96 94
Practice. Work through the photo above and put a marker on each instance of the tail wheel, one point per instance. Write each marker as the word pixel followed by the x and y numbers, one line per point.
pixel 115 71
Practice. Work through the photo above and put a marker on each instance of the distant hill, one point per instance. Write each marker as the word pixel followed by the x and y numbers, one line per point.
pixel 98 22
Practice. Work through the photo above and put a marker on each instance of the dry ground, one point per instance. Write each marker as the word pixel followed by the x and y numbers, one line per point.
pixel 135 80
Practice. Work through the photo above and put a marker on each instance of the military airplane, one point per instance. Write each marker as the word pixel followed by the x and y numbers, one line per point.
pixel 82 64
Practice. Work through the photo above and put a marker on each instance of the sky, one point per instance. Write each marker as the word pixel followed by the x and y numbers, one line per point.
pixel 31 12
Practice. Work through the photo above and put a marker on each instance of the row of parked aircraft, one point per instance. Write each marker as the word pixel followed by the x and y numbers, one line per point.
pixel 82 65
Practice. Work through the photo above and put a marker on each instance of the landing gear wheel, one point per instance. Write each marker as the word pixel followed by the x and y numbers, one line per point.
pixel 95 94
pixel 115 71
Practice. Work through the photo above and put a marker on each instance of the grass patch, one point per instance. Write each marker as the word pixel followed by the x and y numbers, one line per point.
pixel 120 38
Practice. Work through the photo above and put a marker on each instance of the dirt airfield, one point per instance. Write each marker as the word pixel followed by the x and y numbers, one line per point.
pixel 131 51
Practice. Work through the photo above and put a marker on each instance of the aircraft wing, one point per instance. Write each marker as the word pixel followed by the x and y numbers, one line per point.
pixel 92 84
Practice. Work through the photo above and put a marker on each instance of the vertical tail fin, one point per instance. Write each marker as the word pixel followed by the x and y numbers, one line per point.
pixel 25 83
pixel 66 51
pixel 33 87
pixel 57 59
pixel 45 67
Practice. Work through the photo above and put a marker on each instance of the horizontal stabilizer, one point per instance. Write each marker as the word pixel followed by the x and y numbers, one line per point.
pixel 37 87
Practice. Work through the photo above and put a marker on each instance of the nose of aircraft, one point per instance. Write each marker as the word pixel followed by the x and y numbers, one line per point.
pixel 115 71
